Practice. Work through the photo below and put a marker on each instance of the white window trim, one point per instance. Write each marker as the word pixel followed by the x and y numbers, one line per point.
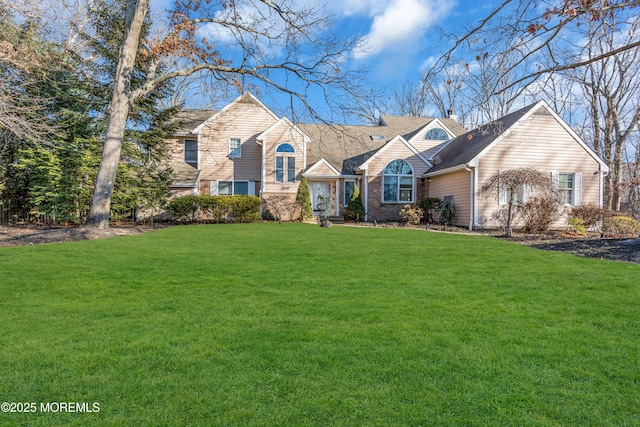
pixel 413 185
pixel 239 155
pixel 576 190
pixel 214 185
pixel 285 170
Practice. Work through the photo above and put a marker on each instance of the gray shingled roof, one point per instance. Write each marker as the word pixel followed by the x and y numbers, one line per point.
pixel 462 149
pixel 183 172
pixel 347 147
pixel 190 119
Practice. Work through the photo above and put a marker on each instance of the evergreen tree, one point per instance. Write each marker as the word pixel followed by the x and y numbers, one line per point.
pixel 303 198
pixel 355 209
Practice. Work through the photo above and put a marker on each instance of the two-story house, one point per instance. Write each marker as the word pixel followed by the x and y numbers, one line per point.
pixel 245 148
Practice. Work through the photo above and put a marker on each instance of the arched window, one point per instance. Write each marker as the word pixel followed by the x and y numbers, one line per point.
pixel 285 163
pixel 436 134
pixel 285 148
pixel 397 182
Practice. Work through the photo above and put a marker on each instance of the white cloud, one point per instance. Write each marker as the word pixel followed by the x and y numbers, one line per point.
pixel 396 25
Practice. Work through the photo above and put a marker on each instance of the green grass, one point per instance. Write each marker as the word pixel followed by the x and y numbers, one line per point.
pixel 291 324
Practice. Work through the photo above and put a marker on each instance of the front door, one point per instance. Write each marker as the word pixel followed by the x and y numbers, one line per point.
pixel 319 189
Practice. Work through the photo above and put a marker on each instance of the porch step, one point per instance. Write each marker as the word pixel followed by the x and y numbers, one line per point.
pixel 336 219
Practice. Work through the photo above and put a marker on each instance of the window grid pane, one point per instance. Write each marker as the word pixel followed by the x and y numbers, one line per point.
pixel 191 152
pixel 240 187
pixel 279 169
pixel 234 147
pixel 225 188
pixel 291 169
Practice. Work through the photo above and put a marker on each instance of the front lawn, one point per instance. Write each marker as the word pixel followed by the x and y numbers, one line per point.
pixel 291 324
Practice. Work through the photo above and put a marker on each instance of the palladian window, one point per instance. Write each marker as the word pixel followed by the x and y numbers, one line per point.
pixel 397 182
pixel 285 163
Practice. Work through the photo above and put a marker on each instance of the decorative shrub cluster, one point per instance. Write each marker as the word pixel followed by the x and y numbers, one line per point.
pixel 591 214
pixel 215 208
pixel 621 226
pixel 431 206
pixel 539 213
pixel 411 214
pixel 577 225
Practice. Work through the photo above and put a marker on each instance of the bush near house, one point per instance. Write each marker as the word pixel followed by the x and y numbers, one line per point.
pixel 621 226
pixel 411 214
pixel 591 214
pixel 215 208
pixel 539 213
pixel 431 206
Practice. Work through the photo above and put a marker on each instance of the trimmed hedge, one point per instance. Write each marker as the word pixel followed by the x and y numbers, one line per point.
pixel 215 208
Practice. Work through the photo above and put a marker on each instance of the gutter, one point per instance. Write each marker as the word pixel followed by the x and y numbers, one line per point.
pixel 472 201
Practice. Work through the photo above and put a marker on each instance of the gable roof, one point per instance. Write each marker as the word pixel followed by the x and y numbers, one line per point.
pixel 189 119
pixel 395 140
pixel 348 147
pixel 416 124
pixel 466 147
pixel 469 147
pixel 319 164
pixel 285 120
pixel 245 97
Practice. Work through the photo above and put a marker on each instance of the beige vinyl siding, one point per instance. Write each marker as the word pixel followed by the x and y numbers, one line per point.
pixel 539 143
pixel 282 134
pixel 323 169
pixel 458 185
pixel 245 121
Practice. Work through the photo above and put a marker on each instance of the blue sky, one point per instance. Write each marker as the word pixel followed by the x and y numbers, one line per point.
pixel 401 35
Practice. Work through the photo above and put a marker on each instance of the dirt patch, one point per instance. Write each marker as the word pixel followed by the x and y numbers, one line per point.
pixel 24 236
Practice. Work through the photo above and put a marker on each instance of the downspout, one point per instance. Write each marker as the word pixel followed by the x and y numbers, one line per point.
pixel 338 197
pixel 196 191
pixel 263 164
pixel 472 187
pixel 366 195
pixel 602 175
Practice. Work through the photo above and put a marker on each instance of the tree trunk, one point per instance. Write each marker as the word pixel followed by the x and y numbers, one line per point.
pixel 118 111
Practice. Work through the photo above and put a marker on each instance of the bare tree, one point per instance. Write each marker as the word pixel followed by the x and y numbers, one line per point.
pixel 513 185
pixel 540 33
pixel 611 88
pixel 274 45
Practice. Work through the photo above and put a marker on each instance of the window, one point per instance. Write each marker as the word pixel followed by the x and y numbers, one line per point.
pixel 570 187
pixel 397 182
pixel 230 188
pixel 436 134
pixel 191 152
pixel 348 191
pixel 235 148
pixel 285 163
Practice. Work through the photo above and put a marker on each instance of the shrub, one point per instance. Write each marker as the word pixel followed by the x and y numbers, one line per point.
pixel 621 226
pixel 539 213
pixel 431 206
pixel 448 211
pixel 591 214
pixel 215 208
pixel 355 208
pixel 303 198
pixel 411 214
pixel 280 206
pixel 183 209
pixel 577 225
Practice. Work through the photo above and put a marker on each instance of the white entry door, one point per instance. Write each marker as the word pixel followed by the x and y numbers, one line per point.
pixel 319 189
